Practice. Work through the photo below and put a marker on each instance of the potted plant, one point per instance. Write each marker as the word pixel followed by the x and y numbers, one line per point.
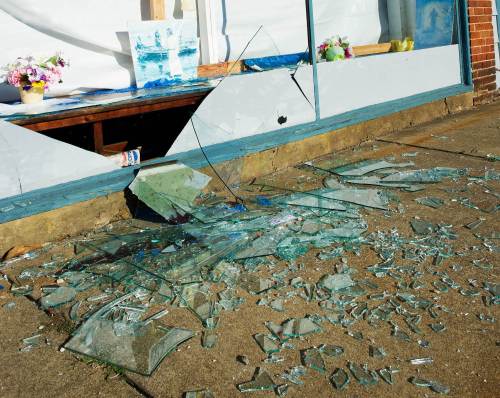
pixel 34 77
pixel 335 49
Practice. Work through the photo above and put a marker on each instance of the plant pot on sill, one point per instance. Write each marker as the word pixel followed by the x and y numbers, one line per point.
pixel 32 96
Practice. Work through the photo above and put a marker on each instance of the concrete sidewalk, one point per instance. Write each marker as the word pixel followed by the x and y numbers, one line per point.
pixel 464 356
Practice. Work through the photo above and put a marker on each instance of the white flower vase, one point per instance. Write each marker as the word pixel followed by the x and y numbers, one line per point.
pixel 32 96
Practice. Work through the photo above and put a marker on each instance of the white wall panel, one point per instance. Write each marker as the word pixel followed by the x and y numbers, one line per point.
pixel 360 82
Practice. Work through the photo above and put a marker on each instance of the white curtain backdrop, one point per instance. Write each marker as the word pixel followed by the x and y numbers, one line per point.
pixel 93 33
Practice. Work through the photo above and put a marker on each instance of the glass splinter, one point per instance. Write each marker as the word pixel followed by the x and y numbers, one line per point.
pixel 376 352
pixel 421 227
pixel 312 359
pixel 400 334
pixel 277 305
pixel 243 359
pixel 439 388
pixel 355 335
pixel 421 361
pixel 282 390
pixel 435 203
pixel 266 344
pixel 386 375
pixel 363 375
pixel 340 379
pixel 273 358
pixel 59 296
pixel 262 381
pixel 367 166
pixel 199 394
pixel 209 338
pixel 131 344
pixel 420 382
pixel 293 375
pixel 437 327
pixel 299 327
pixel 331 350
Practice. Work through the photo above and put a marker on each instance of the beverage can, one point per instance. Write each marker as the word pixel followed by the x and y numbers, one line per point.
pixel 127 158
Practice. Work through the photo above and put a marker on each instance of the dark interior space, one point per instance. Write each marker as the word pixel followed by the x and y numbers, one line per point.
pixel 154 132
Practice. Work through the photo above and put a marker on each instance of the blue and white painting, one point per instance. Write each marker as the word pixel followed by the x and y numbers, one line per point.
pixel 434 25
pixel 164 52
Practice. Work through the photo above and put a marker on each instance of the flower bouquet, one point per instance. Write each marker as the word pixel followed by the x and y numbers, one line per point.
pixel 335 49
pixel 33 77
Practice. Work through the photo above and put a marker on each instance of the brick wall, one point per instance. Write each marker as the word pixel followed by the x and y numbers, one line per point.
pixel 482 49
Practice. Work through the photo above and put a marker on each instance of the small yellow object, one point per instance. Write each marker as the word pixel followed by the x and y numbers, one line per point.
pixel 406 45
pixel 39 84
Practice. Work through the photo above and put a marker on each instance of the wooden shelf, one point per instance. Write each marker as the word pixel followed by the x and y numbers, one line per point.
pixel 371 49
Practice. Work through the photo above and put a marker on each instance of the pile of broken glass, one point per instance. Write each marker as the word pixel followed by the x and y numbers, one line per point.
pixel 118 286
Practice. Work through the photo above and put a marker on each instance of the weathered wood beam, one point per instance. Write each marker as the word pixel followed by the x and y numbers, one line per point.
pixel 157 9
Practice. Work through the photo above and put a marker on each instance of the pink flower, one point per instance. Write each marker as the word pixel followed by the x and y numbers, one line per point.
pixel 54 75
pixel 14 78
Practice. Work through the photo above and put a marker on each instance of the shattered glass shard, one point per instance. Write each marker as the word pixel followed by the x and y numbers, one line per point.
pixel 435 203
pixel 336 282
pixel 134 345
pixel 209 338
pixel 291 248
pixel 372 198
pixel 437 327
pixel 420 382
pixel 421 227
pixel 21 290
pixel 59 296
pixel 439 388
pixel 377 181
pixel 312 359
pixel 367 166
pixel 264 245
pixel 386 374
pixel 362 374
pixel 255 285
pixel 293 375
pixel 282 390
pixel 299 327
pixel 73 313
pixel 277 305
pixel 426 175
pixel 276 330
pixel 400 334
pixel 267 345
pixel 421 361
pixel 273 358
pixel 200 303
pixel 355 335
pixel 33 341
pixel 474 224
pixel 376 352
pixel 486 318
pixel 339 379
pixel 139 351
pixel 304 200
pixel 199 394
pixel 359 311
pixel 331 350
pixel 169 189
pixel 261 381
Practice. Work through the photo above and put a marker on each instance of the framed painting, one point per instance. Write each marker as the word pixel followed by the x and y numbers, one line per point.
pixel 164 52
